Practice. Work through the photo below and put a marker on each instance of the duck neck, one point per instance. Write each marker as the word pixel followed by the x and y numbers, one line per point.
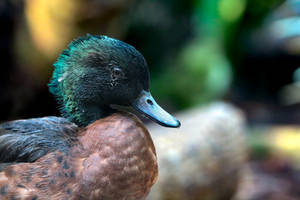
pixel 84 114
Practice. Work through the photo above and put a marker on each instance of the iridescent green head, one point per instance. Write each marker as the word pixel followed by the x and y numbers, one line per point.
pixel 95 72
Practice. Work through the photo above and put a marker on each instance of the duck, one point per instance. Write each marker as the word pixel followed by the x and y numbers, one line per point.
pixel 95 150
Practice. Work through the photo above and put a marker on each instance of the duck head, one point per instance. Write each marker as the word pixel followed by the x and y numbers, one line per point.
pixel 95 72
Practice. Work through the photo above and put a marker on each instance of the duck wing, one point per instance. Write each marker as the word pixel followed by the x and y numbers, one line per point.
pixel 28 140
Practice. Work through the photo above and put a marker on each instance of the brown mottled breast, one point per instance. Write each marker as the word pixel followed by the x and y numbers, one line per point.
pixel 114 159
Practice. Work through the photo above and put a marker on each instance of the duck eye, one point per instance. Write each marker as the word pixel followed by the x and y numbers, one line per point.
pixel 117 73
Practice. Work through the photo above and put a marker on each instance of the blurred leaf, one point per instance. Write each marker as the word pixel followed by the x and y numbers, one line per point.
pixel 226 8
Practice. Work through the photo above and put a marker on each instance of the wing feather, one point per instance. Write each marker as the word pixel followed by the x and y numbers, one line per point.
pixel 28 140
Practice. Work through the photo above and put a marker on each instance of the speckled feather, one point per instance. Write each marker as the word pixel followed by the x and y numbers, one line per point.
pixel 114 159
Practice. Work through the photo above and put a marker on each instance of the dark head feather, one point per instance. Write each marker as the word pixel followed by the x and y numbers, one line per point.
pixel 83 81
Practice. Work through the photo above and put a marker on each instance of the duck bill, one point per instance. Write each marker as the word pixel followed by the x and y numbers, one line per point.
pixel 146 105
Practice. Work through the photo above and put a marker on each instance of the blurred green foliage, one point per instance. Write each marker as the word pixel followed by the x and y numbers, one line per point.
pixel 191 46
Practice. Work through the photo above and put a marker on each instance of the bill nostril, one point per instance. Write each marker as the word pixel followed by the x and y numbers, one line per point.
pixel 149 102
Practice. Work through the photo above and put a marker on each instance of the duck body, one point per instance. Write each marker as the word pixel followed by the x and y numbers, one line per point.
pixel 93 151
pixel 113 158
